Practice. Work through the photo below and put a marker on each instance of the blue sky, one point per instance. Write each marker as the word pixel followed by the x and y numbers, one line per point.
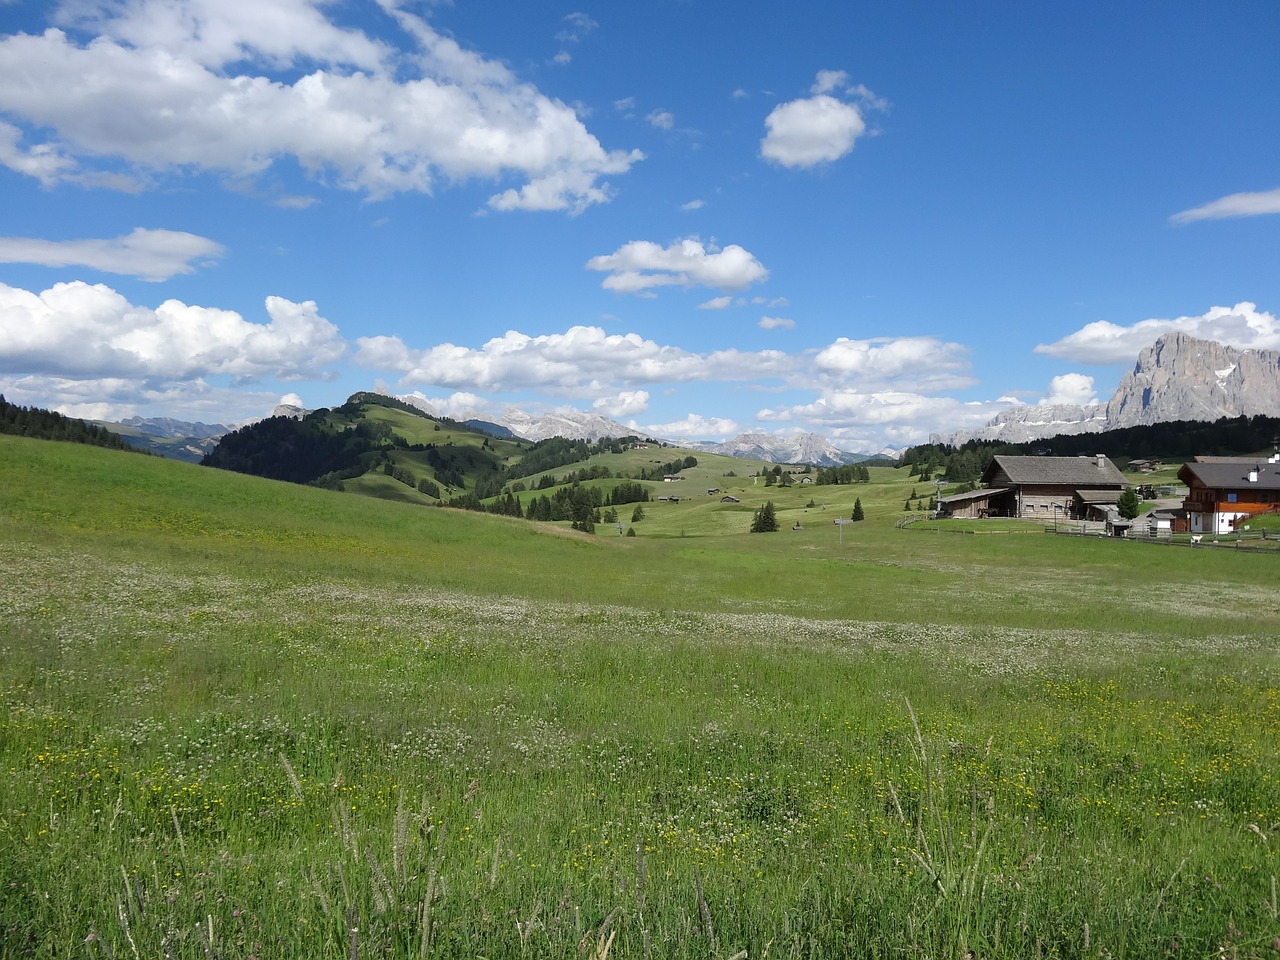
pixel 869 221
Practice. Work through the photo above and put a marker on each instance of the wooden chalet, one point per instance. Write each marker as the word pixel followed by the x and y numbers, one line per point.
pixel 1224 491
pixel 1042 488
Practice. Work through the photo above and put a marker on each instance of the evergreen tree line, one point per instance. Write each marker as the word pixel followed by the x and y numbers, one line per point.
pixel 44 424
pixel 299 451
pixel 559 451
pixel 675 466
pixel 846 473
pixel 1175 440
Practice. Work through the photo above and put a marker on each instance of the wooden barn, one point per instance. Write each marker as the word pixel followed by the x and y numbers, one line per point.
pixel 1042 488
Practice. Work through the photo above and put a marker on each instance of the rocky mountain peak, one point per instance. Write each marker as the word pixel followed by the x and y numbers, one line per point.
pixel 1179 377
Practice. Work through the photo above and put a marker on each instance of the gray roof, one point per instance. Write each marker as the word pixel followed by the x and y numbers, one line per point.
pixel 984 493
pixel 1100 496
pixel 1233 474
pixel 1071 471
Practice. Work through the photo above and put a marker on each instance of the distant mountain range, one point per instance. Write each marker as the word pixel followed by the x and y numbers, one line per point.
pixel 1179 377
pixel 175 439
pixel 807 448
pixel 802 448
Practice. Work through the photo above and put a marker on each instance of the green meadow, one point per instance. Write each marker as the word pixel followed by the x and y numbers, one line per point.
pixel 240 718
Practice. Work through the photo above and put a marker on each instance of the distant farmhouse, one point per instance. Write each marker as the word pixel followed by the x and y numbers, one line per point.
pixel 1223 491
pixel 1042 488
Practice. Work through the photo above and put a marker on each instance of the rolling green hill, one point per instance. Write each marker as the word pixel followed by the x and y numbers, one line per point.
pixel 380 447
pixel 241 717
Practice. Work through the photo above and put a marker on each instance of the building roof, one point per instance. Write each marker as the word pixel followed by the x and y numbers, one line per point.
pixel 1232 474
pixel 1091 472
pixel 1100 496
pixel 984 493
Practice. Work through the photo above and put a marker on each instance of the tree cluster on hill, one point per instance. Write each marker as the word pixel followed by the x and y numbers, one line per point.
pixel 559 451
pixel 299 451
pixel 576 503
pixel 765 519
pixel 49 425
pixel 629 492
pixel 675 466
pixel 848 473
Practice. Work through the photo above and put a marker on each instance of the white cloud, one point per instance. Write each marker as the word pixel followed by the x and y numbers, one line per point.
pixel 662 119
pixel 693 205
pixel 820 128
pixel 153 255
pixel 625 404
pixel 114 398
pixel 161 89
pixel 923 362
pixel 214 33
pixel 78 331
pixel 776 323
pixel 1072 388
pixel 829 80
pixel 457 406
pixel 1242 326
pixel 1235 205
pixel 576 26
pixel 694 426
pixel 640 265
pixel 908 417
pixel 716 303
pixel 581 362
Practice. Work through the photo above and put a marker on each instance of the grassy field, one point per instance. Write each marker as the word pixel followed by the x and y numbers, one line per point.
pixel 246 719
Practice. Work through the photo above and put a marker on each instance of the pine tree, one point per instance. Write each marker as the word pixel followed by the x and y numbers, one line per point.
pixel 1129 505
pixel 857 509
pixel 765 520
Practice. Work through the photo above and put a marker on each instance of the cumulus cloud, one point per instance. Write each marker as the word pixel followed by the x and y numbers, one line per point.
pixel 693 205
pixel 925 362
pixel 717 303
pixel 1235 205
pixel 625 404
pixel 153 255
pixel 860 417
pixel 459 405
pixel 640 265
pixel 1243 326
pixel 1072 388
pixel 776 323
pixel 662 119
pixel 694 426
pixel 116 398
pixel 820 128
pixel 582 361
pixel 76 330
pixel 208 85
pixel 579 361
